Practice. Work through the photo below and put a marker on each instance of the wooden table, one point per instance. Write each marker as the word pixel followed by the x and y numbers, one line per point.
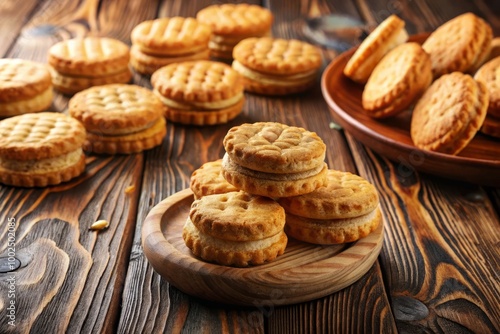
pixel 439 269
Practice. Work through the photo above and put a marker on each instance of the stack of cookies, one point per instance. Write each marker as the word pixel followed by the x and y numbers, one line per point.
pixel 81 63
pixel 119 118
pixel 232 23
pixel 157 43
pixel 271 170
pixel 275 66
pixel 25 87
pixel 199 92
pixel 40 149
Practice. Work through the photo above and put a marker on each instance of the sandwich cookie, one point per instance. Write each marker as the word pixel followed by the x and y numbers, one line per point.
pixel 449 113
pixel 78 64
pixel 199 92
pixel 232 23
pixel 489 74
pixel 386 36
pixel 461 44
pixel 208 180
pixel 157 43
pixel 274 66
pixel 346 210
pixel 397 81
pixel 235 229
pixel 119 118
pixel 40 149
pixel 25 87
pixel 274 160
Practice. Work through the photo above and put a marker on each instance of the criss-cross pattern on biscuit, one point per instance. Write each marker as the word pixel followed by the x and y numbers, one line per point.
pixel 16 72
pixel 236 18
pixel 90 49
pixel 120 99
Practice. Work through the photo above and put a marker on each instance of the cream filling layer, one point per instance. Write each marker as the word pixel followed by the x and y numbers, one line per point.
pixel 231 245
pixel 199 105
pixel 43 165
pixel 279 80
pixel 35 104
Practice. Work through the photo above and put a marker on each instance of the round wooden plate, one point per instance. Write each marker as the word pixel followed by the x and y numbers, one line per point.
pixel 478 163
pixel 304 272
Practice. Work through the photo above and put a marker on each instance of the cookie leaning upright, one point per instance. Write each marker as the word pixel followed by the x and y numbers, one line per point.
pixel 157 43
pixel 78 64
pixel 274 159
pixel 489 74
pixel 119 118
pixel 275 66
pixel 232 23
pixel 40 149
pixel 199 92
pixel 235 229
pixel 397 81
pixel 25 87
pixel 462 44
pixel 448 124
pixel 346 210
pixel 386 36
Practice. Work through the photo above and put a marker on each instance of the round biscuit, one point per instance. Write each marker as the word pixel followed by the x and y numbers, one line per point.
pixel 40 135
pixel 402 75
pixel 333 231
pixel 236 19
pixel 274 147
pixel 449 113
pixel 346 195
pixel 171 36
pixel 40 102
pixel 489 74
pixel 116 108
pixel 491 126
pixel 200 81
pixel 456 44
pixel 233 253
pixel 208 180
pixel 22 79
pixel 278 56
pixel 237 216
pixel 89 56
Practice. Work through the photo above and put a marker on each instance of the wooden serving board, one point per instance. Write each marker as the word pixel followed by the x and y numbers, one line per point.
pixel 479 162
pixel 303 273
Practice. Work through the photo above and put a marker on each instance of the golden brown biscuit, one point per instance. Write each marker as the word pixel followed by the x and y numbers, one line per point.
pixel 458 45
pixel 25 87
pixel 386 36
pixel 449 113
pixel 402 75
pixel 119 118
pixel 332 231
pixel 345 196
pixel 275 66
pixel 199 92
pixel 40 149
pixel 232 23
pixel 171 36
pixel 272 147
pixel 235 229
pixel 208 180
pixel 489 74
pixel 81 63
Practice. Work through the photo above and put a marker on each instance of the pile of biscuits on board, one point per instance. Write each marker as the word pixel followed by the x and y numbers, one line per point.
pixel 450 81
